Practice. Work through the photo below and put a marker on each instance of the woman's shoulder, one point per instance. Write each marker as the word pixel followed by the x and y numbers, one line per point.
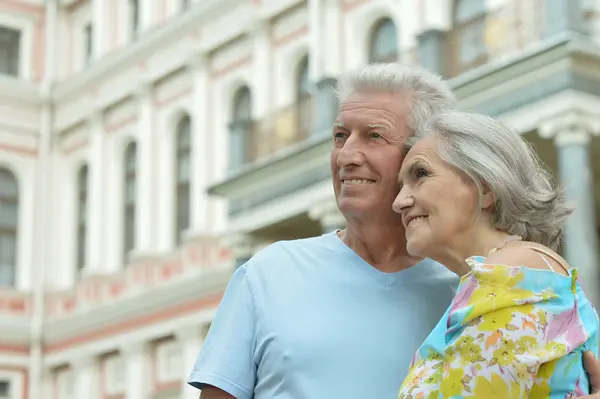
pixel 529 255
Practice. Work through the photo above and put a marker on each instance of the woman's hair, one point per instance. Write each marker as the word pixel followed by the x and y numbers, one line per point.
pixel 496 158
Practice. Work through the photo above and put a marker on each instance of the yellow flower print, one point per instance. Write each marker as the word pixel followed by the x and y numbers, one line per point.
pixel 452 384
pixel 525 343
pixel 505 354
pixel 497 388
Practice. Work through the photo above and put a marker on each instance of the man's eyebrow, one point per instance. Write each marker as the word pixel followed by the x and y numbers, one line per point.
pixel 338 124
pixel 377 126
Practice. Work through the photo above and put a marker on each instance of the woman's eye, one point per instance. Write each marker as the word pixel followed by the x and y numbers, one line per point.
pixel 421 173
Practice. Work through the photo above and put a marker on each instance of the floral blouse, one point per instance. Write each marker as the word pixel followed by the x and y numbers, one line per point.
pixel 510 332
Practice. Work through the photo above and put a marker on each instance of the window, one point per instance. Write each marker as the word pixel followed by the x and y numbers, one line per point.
pixel 134 15
pixel 169 356
pixel 384 42
pixel 240 128
pixel 114 375
pixel 88 35
pixel 182 176
pixel 469 25
pixel 130 199
pixel 10 43
pixel 9 216
pixel 82 182
pixel 304 105
pixel 5 392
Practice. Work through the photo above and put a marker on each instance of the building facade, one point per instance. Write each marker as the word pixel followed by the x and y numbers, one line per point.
pixel 149 147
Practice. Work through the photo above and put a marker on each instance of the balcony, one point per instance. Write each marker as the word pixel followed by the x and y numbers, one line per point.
pixel 262 140
pixel 508 30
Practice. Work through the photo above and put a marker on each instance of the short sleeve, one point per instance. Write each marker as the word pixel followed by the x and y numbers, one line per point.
pixel 500 330
pixel 226 359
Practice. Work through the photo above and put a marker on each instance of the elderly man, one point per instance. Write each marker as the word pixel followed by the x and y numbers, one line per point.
pixel 340 315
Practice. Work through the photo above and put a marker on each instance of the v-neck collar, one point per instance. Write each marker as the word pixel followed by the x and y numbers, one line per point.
pixel 386 280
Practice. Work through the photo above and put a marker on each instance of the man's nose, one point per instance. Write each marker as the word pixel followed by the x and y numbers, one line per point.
pixel 351 153
pixel 404 200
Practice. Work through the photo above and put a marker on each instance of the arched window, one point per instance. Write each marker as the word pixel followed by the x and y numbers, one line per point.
pixel 240 128
pixel 304 110
pixel 129 198
pixel 82 206
pixel 9 217
pixel 469 28
pixel 182 178
pixel 384 42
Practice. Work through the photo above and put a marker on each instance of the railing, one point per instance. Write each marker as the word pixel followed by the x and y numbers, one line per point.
pixel 284 128
pixel 498 34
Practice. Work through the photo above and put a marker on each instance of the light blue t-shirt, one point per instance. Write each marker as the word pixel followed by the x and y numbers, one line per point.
pixel 311 319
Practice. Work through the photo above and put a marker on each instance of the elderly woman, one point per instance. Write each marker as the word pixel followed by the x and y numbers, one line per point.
pixel 475 198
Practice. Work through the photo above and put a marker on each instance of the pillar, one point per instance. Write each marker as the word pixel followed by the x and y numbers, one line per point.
pixel 145 230
pixel 571 134
pixel 564 16
pixel 199 163
pixel 328 216
pixel 191 339
pixel 138 368
pixel 86 374
pixel 96 217
pixel 99 31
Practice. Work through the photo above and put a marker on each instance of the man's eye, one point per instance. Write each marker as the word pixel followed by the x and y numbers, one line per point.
pixel 376 135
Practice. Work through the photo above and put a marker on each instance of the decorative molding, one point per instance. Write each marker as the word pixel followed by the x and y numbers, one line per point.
pixel 570 127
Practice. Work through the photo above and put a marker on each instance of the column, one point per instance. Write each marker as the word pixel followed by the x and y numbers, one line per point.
pixel 328 215
pixel 563 16
pixel 146 174
pixel 138 369
pixel 199 162
pixel 191 339
pixel 262 75
pixel 571 133
pixel 324 61
pixel 98 189
pixel 86 375
pixel 99 31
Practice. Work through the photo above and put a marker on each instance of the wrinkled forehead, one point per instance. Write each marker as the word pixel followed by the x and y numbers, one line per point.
pixel 373 108
pixel 424 150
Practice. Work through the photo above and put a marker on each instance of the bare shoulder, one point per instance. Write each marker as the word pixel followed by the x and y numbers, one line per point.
pixel 528 254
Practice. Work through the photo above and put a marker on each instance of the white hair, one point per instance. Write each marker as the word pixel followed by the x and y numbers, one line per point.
pixel 427 91
pixel 496 157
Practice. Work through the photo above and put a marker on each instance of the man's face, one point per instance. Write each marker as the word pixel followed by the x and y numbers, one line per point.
pixel 368 147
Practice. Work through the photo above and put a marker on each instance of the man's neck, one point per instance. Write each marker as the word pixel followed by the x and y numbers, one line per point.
pixel 382 245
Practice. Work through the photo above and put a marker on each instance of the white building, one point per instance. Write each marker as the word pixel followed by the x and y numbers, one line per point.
pixel 147 147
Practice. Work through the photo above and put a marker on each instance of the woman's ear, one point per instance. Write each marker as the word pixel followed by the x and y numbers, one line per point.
pixel 488 198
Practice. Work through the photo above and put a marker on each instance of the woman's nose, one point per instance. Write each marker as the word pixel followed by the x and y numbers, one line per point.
pixel 403 201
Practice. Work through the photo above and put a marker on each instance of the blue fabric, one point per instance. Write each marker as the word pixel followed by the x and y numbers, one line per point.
pixel 311 319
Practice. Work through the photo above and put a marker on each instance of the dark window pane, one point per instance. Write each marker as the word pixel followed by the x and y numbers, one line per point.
pixel 303 81
pixel 10 43
pixel 8 257
pixel 183 209
pixel 384 42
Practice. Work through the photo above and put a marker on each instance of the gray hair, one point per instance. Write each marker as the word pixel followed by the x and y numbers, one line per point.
pixel 428 92
pixel 497 157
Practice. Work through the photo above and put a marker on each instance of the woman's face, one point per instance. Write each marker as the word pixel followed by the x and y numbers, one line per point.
pixel 438 203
